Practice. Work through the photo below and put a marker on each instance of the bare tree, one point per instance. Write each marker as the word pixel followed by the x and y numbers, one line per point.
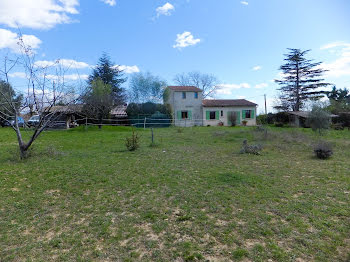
pixel 45 86
pixel 207 82
pixel 145 87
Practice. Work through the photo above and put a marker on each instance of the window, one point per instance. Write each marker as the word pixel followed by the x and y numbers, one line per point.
pixel 184 114
pixel 195 95
pixel 212 115
pixel 248 114
pixel 183 95
pixel 222 113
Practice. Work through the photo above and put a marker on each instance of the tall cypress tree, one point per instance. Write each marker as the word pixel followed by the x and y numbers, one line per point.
pixel 300 82
pixel 110 75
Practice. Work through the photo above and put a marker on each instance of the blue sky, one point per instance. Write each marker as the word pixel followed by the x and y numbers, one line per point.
pixel 240 42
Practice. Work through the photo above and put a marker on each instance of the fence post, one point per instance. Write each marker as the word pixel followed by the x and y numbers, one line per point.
pixel 86 120
pixel 144 124
pixel 152 136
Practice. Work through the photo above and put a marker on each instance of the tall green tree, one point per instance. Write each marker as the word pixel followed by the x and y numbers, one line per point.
pixel 339 100
pixel 146 88
pixel 301 80
pixel 111 75
pixel 9 100
pixel 98 101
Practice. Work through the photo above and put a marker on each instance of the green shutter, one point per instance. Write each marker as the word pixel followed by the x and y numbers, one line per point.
pixel 190 114
pixel 238 117
pixel 217 115
pixel 243 114
pixel 253 114
pixel 208 115
pixel 179 115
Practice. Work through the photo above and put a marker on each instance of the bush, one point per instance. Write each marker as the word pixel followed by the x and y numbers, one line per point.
pixel 319 119
pixel 134 110
pixel 250 149
pixel 244 122
pixel 282 117
pixel 279 124
pixel 270 118
pixel 323 150
pixel 337 126
pixel 344 119
pixel 132 143
pixel 261 120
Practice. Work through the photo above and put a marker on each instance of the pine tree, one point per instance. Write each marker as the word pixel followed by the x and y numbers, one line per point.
pixel 8 96
pixel 110 75
pixel 300 82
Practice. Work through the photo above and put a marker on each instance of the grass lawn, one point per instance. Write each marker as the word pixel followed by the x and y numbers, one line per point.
pixel 82 197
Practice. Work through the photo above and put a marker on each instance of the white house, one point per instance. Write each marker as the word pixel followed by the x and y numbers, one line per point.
pixel 190 109
pixel 219 111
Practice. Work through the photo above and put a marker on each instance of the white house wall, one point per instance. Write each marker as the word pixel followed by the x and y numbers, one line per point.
pixel 191 103
pixel 198 112
pixel 224 118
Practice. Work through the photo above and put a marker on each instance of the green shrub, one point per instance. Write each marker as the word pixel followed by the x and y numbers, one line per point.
pixel 344 119
pixel 319 119
pixel 250 149
pixel 323 150
pixel 270 118
pixel 261 120
pixel 132 143
pixel 337 126
pixel 279 124
pixel 282 117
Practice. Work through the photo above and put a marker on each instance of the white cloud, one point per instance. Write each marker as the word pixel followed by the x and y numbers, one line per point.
pixel 256 68
pixel 110 2
pixel 38 14
pixel 68 63
pixel 335 45
pixel 185 39
pixel 165 9
pixel 128 69
pixel 18 75
pixel 241 97
pixel 73 77
pixel 262 85
pixel 227 89
pixel 341 66
pixel 244 3
pixel 10 40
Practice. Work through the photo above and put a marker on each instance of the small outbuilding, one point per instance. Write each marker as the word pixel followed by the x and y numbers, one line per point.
pixel 65 116
pixel 299 118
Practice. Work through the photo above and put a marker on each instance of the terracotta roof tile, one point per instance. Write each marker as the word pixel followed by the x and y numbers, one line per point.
pixel 185 88
pixel 227 102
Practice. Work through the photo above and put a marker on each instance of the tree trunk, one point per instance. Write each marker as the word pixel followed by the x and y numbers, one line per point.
pixel 297 104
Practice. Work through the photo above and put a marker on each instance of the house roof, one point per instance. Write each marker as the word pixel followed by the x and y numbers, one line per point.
pixel 119 111
pixel 185 88
pixel 227 102
pixel 304 114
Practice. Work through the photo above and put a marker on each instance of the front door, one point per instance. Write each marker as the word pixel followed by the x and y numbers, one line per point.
pixel 229 117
